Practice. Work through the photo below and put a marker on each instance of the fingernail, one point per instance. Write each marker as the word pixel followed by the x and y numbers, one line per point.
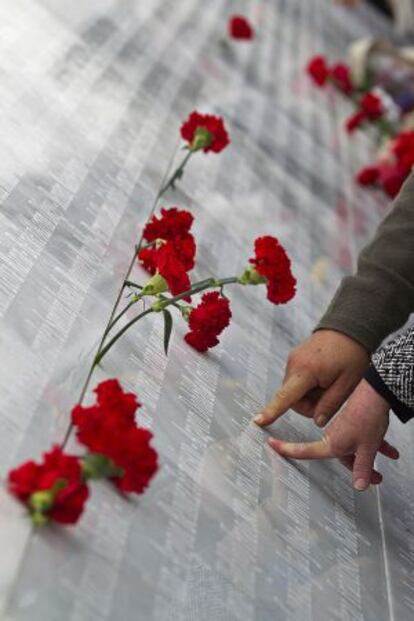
pixel 320 421
pixel 259 419
pixel 360 485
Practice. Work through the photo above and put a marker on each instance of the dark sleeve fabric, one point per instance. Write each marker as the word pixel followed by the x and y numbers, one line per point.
pixel 379 298
pixel 391 374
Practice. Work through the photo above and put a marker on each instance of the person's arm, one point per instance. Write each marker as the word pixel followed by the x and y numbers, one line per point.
pixel 323 371
pixel 391 374
pixel 379 298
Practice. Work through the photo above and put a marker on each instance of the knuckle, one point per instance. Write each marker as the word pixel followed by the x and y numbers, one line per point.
pixel 361 471
pixel 292 359
pixel 337 447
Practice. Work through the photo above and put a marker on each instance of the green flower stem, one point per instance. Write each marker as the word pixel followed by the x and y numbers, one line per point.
pixel 114 309
pixel 134 300
pixel 129 283
pixel 126 327
pixel 202 285
pixel 160 305
pixel 176 175
pixel 139 247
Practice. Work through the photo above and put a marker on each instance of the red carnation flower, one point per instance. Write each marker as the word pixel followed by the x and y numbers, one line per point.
pixel 341 76
pixel 108 429
pixel 53 490
pixel 367 175
pixel 205 131
pixel 173 227
pixel 273 264
pixel 207 321
pixel 318 70
pixel 372 106
pixel 240 28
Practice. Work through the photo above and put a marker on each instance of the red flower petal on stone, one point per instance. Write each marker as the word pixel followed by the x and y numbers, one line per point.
pixel 240 28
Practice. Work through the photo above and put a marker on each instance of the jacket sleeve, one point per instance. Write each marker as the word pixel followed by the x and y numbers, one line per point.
pixel 391 374
pixel 379 298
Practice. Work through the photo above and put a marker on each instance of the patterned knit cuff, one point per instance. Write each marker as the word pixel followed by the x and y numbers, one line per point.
pixel 399 408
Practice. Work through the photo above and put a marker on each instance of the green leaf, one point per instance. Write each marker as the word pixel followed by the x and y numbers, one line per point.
pixel 168 324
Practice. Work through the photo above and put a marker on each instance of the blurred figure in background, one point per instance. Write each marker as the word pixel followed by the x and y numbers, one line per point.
pixel 402 11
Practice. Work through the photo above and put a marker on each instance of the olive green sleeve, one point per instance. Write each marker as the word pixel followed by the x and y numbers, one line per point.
pixel 379 298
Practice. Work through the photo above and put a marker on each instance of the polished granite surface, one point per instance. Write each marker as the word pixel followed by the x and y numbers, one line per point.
pixel 91 101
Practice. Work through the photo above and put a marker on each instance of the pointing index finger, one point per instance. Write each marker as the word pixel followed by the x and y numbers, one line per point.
pixel 291 391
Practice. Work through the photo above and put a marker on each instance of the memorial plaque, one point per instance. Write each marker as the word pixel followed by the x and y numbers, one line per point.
pixel 93 95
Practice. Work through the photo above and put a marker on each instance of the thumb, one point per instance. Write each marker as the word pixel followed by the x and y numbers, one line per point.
pixel 293 389
pixel 363 467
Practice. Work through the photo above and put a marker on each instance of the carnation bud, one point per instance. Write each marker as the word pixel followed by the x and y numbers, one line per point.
pixel 39 519
pixel 251 276
pixel 202 139
pixel 41 501
pixel 97 466
pixel 186 312
pixel 159 306
pixel 157 284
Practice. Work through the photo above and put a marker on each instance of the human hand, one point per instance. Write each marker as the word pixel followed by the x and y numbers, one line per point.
pixel 354 437
pixel 320 375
